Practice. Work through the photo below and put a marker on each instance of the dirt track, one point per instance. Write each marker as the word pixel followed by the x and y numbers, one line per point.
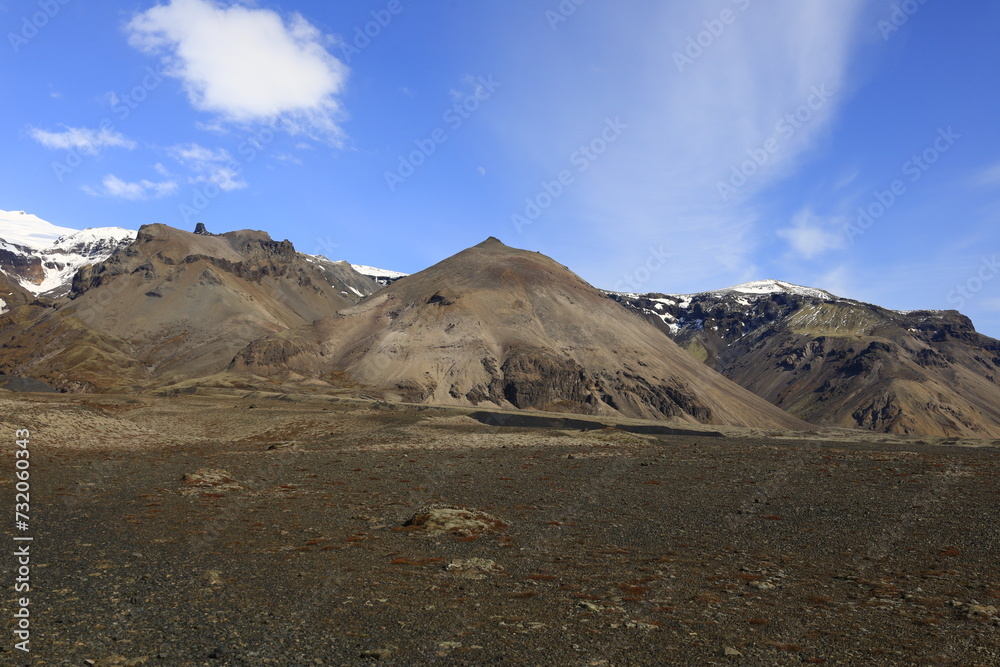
pixel 610 548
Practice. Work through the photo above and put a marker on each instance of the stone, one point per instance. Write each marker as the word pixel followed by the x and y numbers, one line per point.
pixel 377 654
pixel 980 612
pixel 212 578
pixel 219 652
pixel 455 521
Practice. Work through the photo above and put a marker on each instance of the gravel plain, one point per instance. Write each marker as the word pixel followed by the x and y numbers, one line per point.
pixel 210 530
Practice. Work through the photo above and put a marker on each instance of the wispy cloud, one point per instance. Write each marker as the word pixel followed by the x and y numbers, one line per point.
pixel 83 139
pixel 246 64
pixel 990 176
pixel 114 187
pixel 760 96
pixel 810 235
pixel 210 166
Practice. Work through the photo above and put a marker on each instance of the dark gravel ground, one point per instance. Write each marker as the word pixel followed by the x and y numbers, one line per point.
pixel 618 550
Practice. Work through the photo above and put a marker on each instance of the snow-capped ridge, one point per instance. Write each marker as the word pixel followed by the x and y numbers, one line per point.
pixel 47 256
pixel 756 288
pixel 94 236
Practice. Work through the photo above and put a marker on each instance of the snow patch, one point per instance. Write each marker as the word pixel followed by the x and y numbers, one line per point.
pixel 373 272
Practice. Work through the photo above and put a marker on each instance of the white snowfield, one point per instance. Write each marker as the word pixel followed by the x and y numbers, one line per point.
pixel 372 272
pixel 29 231
pixel 764 287
pixel 61 250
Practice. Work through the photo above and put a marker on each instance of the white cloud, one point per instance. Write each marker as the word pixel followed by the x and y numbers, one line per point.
pixel 246 64
pixel 83 139
pixel 811 236
pixel 287 158
pixel 113 186
pixel 210 166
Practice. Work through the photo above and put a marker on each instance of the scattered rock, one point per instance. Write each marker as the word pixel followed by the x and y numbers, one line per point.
pixel 763 585
pixel 376 654
pixel 219 652
pixel 730 652
pixel 116 661
pixel 282 445
pixel 473 568
pixel 455 521
pixel 639 625
pixel 212 578
pixel 589 606
pixel 209 478
pixel 978 612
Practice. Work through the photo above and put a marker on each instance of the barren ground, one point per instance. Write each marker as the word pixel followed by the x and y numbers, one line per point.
pixel 205 530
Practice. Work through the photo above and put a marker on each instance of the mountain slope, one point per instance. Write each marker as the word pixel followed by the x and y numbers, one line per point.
pixel 12 294
pixel 834 361
pixel 497 326
pixel 170 306
pixel 42 258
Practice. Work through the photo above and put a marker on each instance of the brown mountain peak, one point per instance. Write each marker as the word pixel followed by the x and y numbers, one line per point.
pixel 501 327
pixel 491 242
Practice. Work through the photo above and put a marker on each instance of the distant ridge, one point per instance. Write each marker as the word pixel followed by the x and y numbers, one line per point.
pixel 838 362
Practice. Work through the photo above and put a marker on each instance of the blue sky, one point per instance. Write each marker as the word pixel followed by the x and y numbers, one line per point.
pixel 648 145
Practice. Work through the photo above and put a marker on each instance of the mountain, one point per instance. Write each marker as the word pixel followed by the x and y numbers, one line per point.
pixel 170 306
pixel 497 326
pixel 42 258
pixel 838 362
